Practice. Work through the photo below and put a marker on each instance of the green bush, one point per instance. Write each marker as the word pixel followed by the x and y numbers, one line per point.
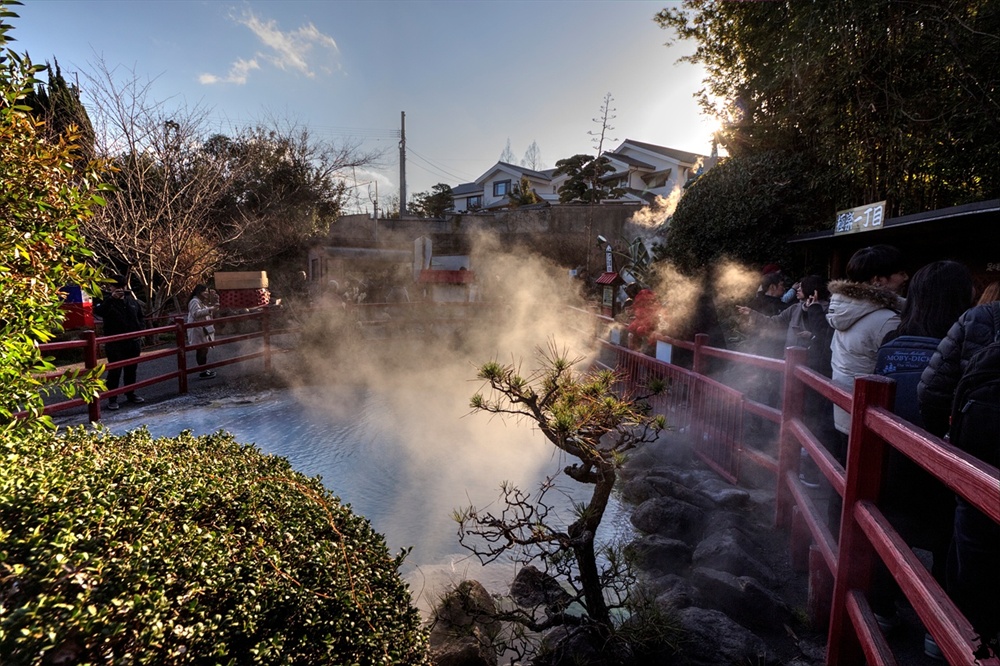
pixel 191 550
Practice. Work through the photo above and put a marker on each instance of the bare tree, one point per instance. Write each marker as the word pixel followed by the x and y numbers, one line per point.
pixel 580 414
pixel 533 157
pixel 187 201
pixel 507 155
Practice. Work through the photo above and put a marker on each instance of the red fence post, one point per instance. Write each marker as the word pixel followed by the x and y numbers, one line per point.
pixel 788 447
pixel 698 365
pixel 265 327
pixel 90 362
pixel 863 481
pixel 181 337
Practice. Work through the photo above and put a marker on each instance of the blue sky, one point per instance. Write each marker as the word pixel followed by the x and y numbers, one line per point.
pixel 469 75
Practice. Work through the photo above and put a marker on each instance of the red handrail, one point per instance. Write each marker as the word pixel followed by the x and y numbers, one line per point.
pixel 847 562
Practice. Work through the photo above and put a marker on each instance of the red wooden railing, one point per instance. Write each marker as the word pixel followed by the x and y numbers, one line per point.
pixel 371 320
pixel 840 566
pixel 90 344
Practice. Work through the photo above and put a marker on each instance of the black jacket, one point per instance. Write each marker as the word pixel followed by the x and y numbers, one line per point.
pixel 975 329
pixel 120 315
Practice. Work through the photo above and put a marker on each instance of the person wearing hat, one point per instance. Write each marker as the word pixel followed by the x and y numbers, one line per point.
pixel 121 313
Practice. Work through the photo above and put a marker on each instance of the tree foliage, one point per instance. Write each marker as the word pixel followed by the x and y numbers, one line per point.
pixel 44 202
pixel 585 182
pixel 901 99
pixel 129 549
pixel 58 105
pixel 435 203
pixel 582 415
pixel 744 209
pixel 189 201
pixel 523 194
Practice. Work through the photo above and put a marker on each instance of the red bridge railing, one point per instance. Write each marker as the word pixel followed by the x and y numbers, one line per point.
pixel 840 566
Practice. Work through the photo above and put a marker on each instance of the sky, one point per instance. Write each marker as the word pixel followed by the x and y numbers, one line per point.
pixel 469 75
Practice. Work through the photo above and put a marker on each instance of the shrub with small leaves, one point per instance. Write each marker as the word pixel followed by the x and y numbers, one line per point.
pixel 133 550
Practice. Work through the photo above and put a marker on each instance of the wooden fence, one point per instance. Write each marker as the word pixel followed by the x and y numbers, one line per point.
pixel 840 566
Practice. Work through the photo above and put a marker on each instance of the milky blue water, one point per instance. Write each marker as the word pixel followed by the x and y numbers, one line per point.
pixel 405 465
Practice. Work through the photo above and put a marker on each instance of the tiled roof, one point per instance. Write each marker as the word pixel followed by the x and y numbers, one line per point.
pixel 678 155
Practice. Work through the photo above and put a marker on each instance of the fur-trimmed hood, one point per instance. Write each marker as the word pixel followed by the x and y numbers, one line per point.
pixel 851 301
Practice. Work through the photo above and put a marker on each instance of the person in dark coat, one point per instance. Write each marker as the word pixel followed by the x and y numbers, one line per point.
pixel 121 313
pixel 973 575
pixel 920 506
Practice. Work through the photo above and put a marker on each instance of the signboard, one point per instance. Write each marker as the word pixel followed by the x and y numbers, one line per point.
pixel 862 218
pixel 610 261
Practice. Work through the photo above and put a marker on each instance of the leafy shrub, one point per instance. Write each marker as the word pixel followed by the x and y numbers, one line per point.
pixel 133 550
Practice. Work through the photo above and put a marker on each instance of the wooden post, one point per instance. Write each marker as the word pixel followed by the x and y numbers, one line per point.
pixel 863 481
pixel 90 362
pixel 820 589
pixel 698 365
pixel 265 326
pixel 788 447
pixel 180 334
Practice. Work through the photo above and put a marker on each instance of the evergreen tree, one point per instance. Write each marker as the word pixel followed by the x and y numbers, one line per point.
pixel 58 105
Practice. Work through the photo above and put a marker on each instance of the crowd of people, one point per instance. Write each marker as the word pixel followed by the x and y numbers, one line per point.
pixel 926 342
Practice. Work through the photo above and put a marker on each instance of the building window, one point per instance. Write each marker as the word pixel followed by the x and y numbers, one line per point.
pixel 501 188
pixel 474 202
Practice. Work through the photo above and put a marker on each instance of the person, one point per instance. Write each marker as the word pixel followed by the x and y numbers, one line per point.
pixel 973 576
pixel 863 309
pixel 767 300
pixel 990 293
pixel 791 321
pixel 201 307
pixel 920 506
pixel 121 313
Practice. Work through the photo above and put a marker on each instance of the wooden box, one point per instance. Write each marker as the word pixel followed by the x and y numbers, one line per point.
pixel 241 280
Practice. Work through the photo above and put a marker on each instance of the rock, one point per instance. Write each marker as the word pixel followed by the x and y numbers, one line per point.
pixel 669 517
pixel 741 598
pixel 532 588
pixel 672 591
pixel 463 624
pixel 716 640
pixel 653 552
pixel 726 550
pixel 723 495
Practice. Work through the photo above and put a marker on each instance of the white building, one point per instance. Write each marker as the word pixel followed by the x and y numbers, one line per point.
pixel 644 170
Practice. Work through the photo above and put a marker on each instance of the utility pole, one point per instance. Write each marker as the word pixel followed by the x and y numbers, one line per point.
pixel 402 164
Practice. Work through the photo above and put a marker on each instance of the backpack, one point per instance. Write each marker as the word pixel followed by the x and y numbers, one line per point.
pixel 975 412
pixel 903 359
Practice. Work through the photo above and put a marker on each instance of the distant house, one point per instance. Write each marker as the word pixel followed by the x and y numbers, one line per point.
pixel 491 190
pixel 643 170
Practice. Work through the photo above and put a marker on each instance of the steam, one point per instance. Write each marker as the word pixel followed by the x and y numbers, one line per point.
pixel 455 457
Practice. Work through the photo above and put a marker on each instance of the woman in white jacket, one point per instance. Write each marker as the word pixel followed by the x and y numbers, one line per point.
pixel 863 309
pixel 201 307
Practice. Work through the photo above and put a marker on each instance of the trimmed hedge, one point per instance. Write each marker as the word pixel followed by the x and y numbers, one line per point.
pixel 130 550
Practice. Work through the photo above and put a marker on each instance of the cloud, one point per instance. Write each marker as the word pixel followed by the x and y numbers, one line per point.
pixel 288 51
pixel 237 73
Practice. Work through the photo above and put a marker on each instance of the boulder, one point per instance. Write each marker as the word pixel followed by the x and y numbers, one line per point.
pixel 714 639
pixel 728 550
pixel 741 598
pixel 657 553
pixel 533 588
pixel 463 626
pixel 669 517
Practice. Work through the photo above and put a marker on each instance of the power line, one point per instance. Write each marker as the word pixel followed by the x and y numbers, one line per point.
pixel 441 170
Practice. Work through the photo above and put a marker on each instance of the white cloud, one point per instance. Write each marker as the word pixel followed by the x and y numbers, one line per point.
pixel 285 50
pixel 237 73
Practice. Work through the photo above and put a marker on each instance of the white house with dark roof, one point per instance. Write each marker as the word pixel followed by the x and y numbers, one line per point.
pixel 643 170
